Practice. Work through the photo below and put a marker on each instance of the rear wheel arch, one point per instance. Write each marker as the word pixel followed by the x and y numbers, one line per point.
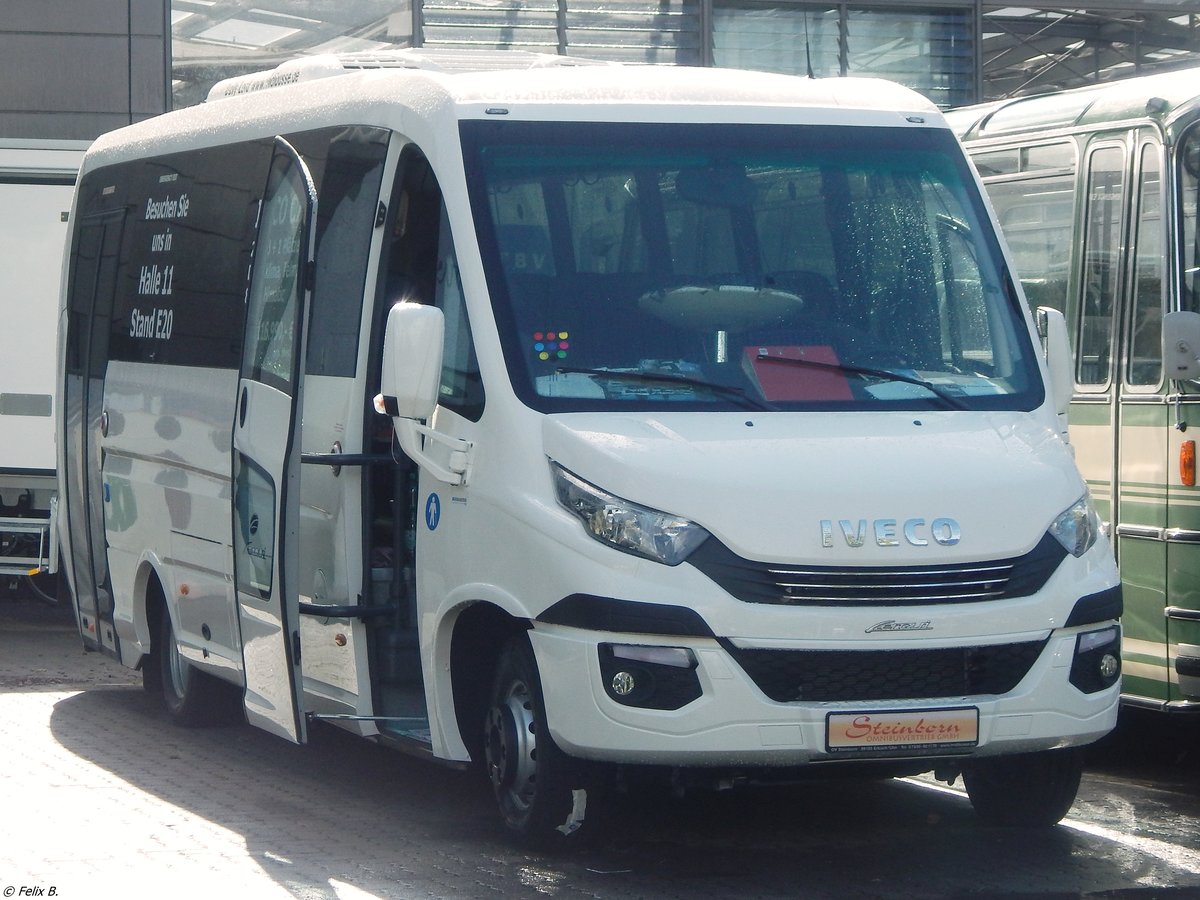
pixel 153 606
pixel 191 697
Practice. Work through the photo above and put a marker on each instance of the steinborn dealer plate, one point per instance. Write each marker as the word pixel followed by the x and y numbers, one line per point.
pixel 902 731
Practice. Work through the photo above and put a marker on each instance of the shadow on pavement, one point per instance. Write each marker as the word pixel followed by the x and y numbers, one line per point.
pixel 346 809
pixel 338 808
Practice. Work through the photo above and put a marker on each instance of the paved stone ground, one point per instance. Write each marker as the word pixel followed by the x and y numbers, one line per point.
pixel 101 797
pixel 70 823
pixel 39 650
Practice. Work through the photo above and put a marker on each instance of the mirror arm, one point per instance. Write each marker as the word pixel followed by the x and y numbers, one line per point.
pixel 412 436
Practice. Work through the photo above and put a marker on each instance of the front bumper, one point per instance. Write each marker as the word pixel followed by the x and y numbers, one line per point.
pixel 734 722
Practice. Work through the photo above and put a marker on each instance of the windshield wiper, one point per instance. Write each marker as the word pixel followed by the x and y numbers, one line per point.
pixel 725 390
pixel 949 399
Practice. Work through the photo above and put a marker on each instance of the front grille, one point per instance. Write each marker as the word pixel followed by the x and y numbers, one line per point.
pixel 791 585
pixel 853 675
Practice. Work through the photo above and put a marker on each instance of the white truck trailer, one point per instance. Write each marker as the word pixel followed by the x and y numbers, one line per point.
pixel 36 183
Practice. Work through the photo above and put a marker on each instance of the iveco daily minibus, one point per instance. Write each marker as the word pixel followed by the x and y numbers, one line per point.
pixel 571 419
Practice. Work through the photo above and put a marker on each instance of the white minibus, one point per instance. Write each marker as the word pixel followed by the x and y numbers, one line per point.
pixel 580 421
pixel 37 178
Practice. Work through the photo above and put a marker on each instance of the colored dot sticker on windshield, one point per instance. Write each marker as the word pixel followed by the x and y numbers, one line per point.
pixel 551 344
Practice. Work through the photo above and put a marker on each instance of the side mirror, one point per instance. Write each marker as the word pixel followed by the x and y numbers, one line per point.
pixel 1181 345
pixel 412 360
pixel 1053 327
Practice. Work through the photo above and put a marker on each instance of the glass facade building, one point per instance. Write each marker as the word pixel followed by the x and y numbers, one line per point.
pixel 953 51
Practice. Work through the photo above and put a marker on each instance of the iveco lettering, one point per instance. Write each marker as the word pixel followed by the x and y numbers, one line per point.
pixel 889 532
pixel 539 415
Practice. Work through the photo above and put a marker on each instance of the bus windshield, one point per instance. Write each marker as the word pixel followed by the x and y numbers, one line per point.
pixel 771 267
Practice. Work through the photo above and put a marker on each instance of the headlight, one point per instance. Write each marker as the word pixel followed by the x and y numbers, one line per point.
pixel 1078 527
pixel 627 526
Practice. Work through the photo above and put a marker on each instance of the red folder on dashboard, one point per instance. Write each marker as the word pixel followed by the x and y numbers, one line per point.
pixel 778 379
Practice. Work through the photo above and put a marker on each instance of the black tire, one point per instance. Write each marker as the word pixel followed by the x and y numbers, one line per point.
pixel 191 697
pixel 1029 790
pixel 152 669
pixel 540 791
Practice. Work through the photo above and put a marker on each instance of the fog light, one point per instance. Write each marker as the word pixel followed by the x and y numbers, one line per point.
pixel 649 677
pixel 1097 664
pixel 1109 666
pixel 624 684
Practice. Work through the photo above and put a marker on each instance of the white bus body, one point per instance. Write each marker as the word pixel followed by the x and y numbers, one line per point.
pixel 569 417
pixel 37 179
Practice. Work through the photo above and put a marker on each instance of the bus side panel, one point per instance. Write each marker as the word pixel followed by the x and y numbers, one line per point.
pixel 1183 568
pixel 1183 634
pixel 1091 426
pixel 166 476
pixel 148 431
pixel 1143 571
pixel 1143 510
pixel 91 285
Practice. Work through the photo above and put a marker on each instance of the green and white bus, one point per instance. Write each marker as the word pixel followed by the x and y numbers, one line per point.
pixel 1096 191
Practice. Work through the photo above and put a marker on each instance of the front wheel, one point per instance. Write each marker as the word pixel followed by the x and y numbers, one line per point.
pixel 1026 790
pixel 538 788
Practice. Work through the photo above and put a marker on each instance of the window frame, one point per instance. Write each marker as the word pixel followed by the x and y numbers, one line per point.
pixel 1146 147
pixel 1103 144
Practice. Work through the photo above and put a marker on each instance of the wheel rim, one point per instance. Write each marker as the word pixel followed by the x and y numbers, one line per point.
pixel 511 747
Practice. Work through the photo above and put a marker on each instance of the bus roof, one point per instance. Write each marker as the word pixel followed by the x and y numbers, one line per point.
pixel 385 88
pixel 1113 101
pixel 522 75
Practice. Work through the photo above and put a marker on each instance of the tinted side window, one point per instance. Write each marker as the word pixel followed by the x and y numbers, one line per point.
pixel 182 280
pixel 421 267
pixel 462 388
pixel 349 197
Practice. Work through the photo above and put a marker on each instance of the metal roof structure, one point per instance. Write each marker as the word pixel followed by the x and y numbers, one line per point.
pixel 1016 50
pixel 1027 50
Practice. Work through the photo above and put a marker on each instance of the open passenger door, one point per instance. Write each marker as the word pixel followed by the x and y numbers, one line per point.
pixel 266 447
